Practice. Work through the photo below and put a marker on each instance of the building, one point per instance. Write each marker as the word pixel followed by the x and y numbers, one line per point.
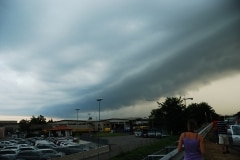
pixel 7 128
pixel 107 125
pixel 74 127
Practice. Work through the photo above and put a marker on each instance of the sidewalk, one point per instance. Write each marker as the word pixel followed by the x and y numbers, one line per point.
pixel 213 152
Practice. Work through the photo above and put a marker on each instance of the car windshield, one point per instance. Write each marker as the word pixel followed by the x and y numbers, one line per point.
pixel 23 149
pixel 47 151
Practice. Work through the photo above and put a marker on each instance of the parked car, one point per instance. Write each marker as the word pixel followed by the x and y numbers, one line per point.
pixel 15 147
pixel 9 153
pixel 68 144
pixel 43 146
pixel 79 148
pixel 7 157
pixel 154 133
pixel 31 155
pixel 138 133
pixel 39 142
pixel 6 143
pixel 65 150
pixel 52 153
pixel 234 134
pixel 29 148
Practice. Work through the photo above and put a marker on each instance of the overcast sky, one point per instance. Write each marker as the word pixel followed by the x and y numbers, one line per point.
pixel 57 56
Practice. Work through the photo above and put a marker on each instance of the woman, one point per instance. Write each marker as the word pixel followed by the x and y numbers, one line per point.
pixel 191 142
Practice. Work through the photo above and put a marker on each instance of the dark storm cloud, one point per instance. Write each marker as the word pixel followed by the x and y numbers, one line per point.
pixel 124 52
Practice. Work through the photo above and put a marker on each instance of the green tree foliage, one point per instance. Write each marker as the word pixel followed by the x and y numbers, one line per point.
pixel 202 113
pixel 24 125
pixel 50 121
pixel 237 114
pixel 172 114
pixel 38 120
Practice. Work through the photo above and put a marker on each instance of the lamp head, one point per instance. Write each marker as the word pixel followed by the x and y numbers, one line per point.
pixel 99 99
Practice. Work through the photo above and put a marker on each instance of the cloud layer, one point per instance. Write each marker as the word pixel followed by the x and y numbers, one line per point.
pixel 56 56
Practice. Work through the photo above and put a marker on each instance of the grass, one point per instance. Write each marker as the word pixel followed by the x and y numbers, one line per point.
pixel 142 152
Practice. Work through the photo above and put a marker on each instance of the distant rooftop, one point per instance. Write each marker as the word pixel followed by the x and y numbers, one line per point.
pixel 8 122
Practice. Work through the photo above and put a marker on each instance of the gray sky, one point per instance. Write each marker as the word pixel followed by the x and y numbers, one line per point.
pixel 56 56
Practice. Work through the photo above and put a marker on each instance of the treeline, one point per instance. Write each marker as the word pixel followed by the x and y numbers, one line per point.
pixel 172 114
pixel 25 125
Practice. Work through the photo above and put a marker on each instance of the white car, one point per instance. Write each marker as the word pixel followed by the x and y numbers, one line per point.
pixel 6 143
pixel 9 152
pixel 15 147
pixel 43 142
pixel 138 133
pixel 68 144
pixel 234 134
pixel 27 148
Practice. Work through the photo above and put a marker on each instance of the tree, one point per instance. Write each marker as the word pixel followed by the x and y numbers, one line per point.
pixel 237 114
pixel 24 125
pixel 170 115
pixel 39 120
pixel 50 121
pixel 202 113
pixel 157 118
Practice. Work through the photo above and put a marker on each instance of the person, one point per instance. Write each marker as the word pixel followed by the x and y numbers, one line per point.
pixel 191 142
pixel 214 125
pixel 222 135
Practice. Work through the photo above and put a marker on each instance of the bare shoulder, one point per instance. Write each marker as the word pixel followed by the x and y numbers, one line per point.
pixel 182 134
pixel 200 136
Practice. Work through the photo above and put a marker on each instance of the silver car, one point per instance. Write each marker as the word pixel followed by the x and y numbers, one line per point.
pixel 234 134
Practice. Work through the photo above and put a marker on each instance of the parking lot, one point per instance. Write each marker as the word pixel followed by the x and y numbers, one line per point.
pixel 42 148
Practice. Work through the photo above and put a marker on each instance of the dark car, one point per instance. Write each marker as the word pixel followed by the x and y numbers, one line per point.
pixel 27 148
pixel 52 153
pixel 7 157
pixel 66 150
pixel 31 155
pixel 8 153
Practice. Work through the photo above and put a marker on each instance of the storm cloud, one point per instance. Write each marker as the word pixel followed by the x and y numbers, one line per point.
pixel 56 56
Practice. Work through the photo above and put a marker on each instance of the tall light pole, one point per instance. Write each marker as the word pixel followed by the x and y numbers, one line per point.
pixel 77 113
pixel 99 101
pixel 185 99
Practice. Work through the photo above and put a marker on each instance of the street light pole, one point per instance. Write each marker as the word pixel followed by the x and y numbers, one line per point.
pixel 185 103
pixel 77 116
pixel 99 101
pixel 77 112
